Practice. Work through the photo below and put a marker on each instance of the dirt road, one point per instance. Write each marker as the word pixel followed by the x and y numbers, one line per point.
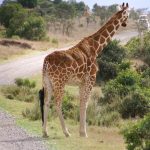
pixel 15 138
pixel 31 65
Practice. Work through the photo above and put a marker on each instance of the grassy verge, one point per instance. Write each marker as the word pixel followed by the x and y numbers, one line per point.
pixel 100 138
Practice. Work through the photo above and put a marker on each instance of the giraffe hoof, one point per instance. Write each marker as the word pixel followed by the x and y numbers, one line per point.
pixel 45 135
pixel 82 134
pixel 67 134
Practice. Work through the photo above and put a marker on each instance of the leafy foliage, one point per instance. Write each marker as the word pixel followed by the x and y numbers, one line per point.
pixel 137 135
pixel 28 3
pixel 135 50
pixel 126 95
pixel 134 105
pixel 7 12
pixel 24 25
pixel 112 55
pixel 24 90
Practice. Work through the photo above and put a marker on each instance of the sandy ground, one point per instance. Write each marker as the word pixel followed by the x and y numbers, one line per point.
pixel 15 138
pixel 33 64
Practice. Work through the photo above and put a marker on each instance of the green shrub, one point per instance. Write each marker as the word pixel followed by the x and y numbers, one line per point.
pixel 135 50
pixel 7 12
pixel 69 108
pixel 137 135
pixel 24 90
pixel 25 83
pixel 112 55
pixel 124 65
pixel 34 28
pixel 27 26
pixel 126 95
pixel 128 78
pixel 146 72
pixel 133 46
pixel 28 3
pixel 134 105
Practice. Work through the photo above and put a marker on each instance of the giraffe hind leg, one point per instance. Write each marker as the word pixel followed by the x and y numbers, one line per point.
pixel 58 99
pixel 47 98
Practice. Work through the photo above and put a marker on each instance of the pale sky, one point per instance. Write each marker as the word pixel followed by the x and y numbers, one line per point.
pixel 132 3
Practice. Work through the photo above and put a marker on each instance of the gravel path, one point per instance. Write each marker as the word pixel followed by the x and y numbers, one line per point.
pixel 33 64
pixel 15 138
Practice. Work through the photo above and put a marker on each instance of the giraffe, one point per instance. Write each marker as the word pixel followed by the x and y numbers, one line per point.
pixel 76 65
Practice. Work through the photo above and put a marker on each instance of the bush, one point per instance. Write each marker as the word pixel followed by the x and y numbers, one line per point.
pixel 7 12
pixel 146 72
pixel 34 28
pixel 24 90
pixel 128 78
pixel 126 95
pixel 28 3
pixel 25 82
pixel 133 46
pixel 134 105
pixel 137 135
pixel 69 108
pixel 124 65
pixel 112 55
pixel 25 26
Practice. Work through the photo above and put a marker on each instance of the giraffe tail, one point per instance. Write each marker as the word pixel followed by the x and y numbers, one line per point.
pixel 41 98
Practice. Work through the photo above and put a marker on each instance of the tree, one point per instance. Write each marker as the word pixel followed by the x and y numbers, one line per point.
pixel 29 27
pixel 57 1
pixel 65 11
pixel 103 11
pixel 28 3
pixel 7 12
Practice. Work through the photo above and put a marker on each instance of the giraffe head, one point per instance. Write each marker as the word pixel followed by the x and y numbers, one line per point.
pixel 123 14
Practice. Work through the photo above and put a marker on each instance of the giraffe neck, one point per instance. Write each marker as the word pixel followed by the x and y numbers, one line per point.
pixel 101 38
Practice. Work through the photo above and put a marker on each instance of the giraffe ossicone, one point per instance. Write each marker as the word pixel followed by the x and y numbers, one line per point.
pixel 76 65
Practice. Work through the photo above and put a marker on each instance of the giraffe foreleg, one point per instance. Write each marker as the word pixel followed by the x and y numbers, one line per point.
pixel 85 91
pixel 83 107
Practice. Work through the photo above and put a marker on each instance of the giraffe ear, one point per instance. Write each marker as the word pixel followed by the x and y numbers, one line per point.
pixel 123 5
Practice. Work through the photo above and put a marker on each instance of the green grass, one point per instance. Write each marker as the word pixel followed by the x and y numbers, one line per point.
pixel 100 138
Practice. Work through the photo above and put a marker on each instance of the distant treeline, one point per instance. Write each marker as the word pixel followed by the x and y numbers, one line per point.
pixel 30 19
